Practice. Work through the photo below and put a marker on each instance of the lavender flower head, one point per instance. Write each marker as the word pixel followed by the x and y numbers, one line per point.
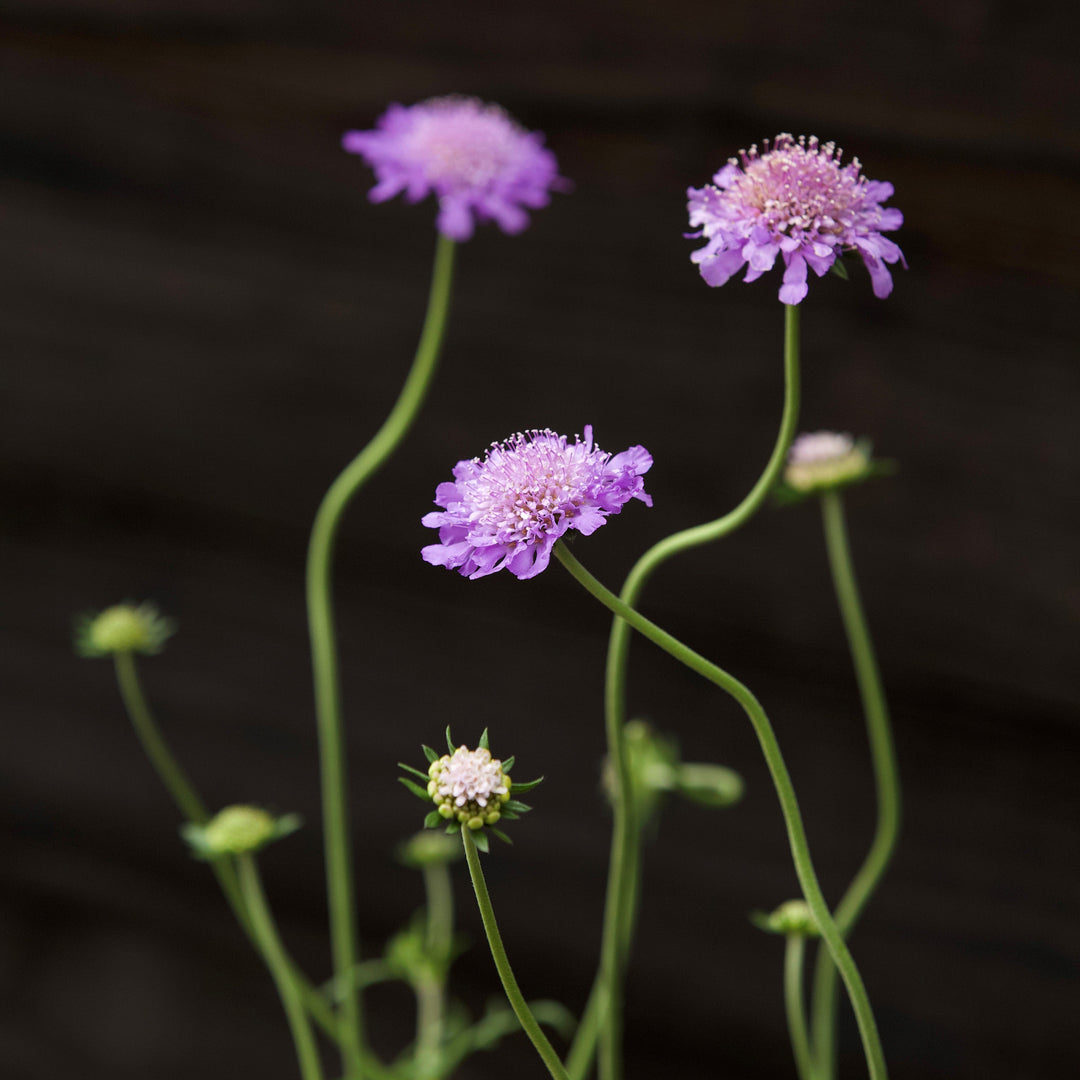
pixel 825 459
pixel 507 511
pixel 473 157
pixel 797 201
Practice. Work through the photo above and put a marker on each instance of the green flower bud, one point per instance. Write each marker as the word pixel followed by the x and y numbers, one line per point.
pixel 123 628
pixel 429 849
pixel 238 830
pixel 791 917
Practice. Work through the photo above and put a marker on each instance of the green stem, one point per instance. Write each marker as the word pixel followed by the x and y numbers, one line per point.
pixel 886 777
pixel 793 1002
pixel 502 964
pixel 191 806
pixel 785 791
pixel 269 943
pixel 339 872
pixel 617 928
pixel 431 988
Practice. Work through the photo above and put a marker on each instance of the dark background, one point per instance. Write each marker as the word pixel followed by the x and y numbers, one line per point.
pixel 202 319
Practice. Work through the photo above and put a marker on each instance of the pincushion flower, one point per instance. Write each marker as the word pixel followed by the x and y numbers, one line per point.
pixel 479 163
pixel 507 511
pixel 825 459
pixel 797 201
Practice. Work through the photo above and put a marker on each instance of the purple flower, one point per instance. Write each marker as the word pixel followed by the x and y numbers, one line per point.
pixel 476 160
pixel 798 201
pixel 508 510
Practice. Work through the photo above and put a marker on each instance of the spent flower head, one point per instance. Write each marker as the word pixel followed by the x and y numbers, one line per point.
pixel 507 511
pixel 237 830
pixel 470 789
pixel 477 161
pixel 797 201
pixel 123 628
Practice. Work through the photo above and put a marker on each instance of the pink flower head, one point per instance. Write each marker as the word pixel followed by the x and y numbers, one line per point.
pixel 795 200
pixel 508 510
pixel 476 160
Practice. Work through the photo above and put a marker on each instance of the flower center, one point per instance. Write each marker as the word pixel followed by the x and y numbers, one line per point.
pixel 528 489
pixel 801 187
pixel 465 143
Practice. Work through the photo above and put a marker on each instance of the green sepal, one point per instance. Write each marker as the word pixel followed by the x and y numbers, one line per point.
pixel 513 805
pixel 508 764
pixel 433 819
pixel 449 741
pixel 840 270
pixel 416 772
pixel 500 834
pixel 415 788
pixel 481 841
pixel 508 815
pixel 484 740
pixel 453 827
pixel 430 754
pixel 526 785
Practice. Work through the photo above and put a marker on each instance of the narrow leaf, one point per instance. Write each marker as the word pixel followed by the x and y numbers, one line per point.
pixel 416 789
pixel 449 741
pixel 513 804
pixel 481 841
pixel 508 764
pixel 430 754
pixel 501 835
pixel 433 819
pixel 416 772
pixel 527 785
pixel 484 740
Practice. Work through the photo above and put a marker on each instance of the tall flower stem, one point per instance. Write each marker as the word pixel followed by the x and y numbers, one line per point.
pixel 886 778
pixel 339 872
pixel 191 806
pixel 502 964
pixel 269 943
pixel 789 805
pixel 793 1003
pixel 618 917
pixel 430 988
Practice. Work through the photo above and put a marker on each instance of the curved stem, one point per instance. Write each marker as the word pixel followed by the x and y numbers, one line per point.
pixel 793 1003
pixel 502 964
pixel 886 777
pixel 269 943
pixel 785 791
pixel 324 648
pixel 191 806
pixel 617 929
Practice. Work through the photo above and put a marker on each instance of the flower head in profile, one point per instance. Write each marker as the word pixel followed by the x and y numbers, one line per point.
pixel 797 201
pixel 507 511
pixel 823 460
pixel 478 163
pixel 123 628
pixel 470 789
pixel 237 830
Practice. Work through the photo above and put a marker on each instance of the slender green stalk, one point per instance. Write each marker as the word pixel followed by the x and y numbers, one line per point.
pixel 431 989
pixel 339 873
pixel 618 928
pixel 191 806
pixel 785 791
pixel 793 1002
pixel 269 943
pixel 886 778
pixel 502 964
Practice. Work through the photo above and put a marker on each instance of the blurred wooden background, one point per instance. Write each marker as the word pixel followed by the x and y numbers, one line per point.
pixel 202 320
